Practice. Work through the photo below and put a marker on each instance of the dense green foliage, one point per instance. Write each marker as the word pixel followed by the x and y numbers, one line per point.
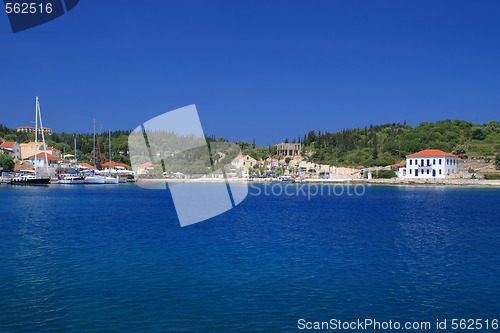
pixel 384 174
pixel 386 144
pixel 6 162
pixel 491 176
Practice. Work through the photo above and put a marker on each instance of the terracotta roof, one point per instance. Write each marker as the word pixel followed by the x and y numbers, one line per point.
pixel 8 144
pixel 33 127
pixel 459 159
pixel 112 163
pixel 52 148
pixel 42 155
pixel 239 157
pixel 87 165
pixel 431 152
pixel 147 165
pixel 398 165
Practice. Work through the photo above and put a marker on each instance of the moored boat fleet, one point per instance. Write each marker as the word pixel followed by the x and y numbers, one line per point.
pixel 73 172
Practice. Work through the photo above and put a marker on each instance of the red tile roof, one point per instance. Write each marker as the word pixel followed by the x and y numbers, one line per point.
pixel 239 157
pixel 460 159
pixel 52 148
pixel 113 163
pixel 33 127
pixel 42 155
pixel 431 152
pixel 397 165
pixel 8 144
pixel 147 165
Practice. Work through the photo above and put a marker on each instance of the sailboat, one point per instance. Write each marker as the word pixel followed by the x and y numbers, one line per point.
pixel 34 178
pixel 110 179
pixel 71 177
pixel 94 178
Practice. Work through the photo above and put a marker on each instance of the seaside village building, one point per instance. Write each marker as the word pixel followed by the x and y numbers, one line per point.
pixel 40 160
pixel 288 149
pixel 430 163
pixel 28 150
pixel 244 163
pixel 12 149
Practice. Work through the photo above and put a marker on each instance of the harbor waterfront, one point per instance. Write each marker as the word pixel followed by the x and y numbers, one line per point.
pixel 114 258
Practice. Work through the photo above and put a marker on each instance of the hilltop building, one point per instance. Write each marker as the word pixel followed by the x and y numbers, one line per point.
pixel 288 149
pixel 430 163
pixel 31 129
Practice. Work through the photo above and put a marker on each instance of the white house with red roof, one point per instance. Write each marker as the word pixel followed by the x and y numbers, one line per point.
pixel 40 159
pixel 244 163
pixel 12 148
pixel 430 163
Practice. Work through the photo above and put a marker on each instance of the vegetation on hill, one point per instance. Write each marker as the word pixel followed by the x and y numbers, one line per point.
pixel 376 145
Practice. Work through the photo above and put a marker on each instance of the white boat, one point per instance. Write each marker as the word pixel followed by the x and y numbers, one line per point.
pixel 70 179
pixel 112 180
pixel 94 179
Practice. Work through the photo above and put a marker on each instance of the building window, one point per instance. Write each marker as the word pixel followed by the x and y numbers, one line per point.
pixel 428 171
pixel 428 162
pixel 439 171
pixel 410 162
pixel 439 161
pixel 434 161
pixel 410 171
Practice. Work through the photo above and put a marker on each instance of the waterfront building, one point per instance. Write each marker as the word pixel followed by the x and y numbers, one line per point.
pixel 430 163
pixel 244 162
pixel 28 149
pixel 12 148
pixel 39 161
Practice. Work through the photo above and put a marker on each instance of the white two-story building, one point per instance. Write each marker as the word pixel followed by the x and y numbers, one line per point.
pixel 430 163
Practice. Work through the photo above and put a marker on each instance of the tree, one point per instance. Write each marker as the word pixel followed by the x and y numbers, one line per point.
pixel 497 161
pixel 478 134
pixel 6 162
pixel 460 150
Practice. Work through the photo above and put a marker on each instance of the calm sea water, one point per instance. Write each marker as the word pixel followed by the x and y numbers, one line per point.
pixel 114 258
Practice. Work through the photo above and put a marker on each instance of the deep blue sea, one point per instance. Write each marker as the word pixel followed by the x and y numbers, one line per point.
pixel 114 258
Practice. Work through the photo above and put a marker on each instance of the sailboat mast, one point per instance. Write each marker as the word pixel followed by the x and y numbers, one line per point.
pixel 109 131
pixel 94 143
pixel 43 136
pixel 36 133
pixel 76 158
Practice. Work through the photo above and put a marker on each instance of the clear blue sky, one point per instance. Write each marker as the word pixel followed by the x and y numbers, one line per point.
pixel 261 68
